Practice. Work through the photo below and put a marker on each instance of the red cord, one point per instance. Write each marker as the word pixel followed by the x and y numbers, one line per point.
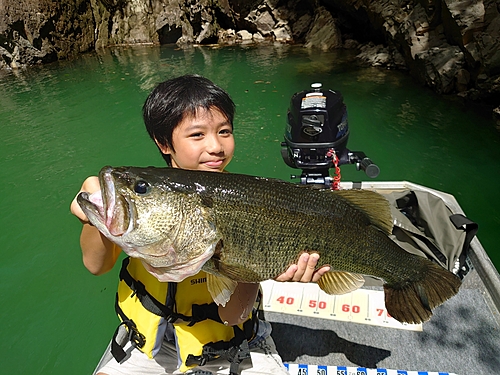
pixel 336 178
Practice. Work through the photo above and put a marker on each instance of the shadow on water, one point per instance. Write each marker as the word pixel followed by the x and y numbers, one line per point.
pixel 319 343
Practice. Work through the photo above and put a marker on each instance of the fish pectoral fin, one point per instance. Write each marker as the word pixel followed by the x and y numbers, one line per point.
pixel 220 288
pixel 338 282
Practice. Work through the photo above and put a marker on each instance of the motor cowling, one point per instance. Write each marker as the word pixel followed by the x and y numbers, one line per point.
pixel 316 136
pixel 316 123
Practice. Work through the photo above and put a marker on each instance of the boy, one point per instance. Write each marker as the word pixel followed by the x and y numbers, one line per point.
pixel 191 122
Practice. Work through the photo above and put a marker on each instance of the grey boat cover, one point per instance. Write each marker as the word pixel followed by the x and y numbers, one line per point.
pixel 425 226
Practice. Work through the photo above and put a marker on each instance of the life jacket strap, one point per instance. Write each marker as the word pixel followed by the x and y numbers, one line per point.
pixel 139 289
pixel 199 312
pixel 167 311
pixel 235 355
pixel 134 336
pixel 203 312
pixel 235 351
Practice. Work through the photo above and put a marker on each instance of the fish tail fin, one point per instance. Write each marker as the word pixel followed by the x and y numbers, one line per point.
pixel 412 302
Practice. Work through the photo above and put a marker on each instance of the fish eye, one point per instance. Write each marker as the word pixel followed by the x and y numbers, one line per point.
pixel 141 187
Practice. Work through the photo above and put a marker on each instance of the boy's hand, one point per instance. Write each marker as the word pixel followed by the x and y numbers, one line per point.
pixel 305 271
pixel 90 185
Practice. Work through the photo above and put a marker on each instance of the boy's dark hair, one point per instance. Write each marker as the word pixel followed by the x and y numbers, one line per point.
pixel 172 100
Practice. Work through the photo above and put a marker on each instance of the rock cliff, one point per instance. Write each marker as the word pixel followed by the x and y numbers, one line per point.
pixel 450 45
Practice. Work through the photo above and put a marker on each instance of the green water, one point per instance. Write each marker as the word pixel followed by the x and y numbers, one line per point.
pixel 63 122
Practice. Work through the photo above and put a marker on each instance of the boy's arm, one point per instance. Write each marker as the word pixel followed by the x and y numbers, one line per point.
pixel 99 253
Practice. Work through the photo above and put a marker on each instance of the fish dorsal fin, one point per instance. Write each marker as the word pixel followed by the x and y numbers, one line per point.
pixel 221 288
pixel 338 282
pixel 373 204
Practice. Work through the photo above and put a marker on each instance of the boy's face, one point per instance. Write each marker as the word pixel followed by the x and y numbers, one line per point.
pixel 204 141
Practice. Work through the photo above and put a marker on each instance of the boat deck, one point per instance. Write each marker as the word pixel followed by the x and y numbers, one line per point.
pixel 462 337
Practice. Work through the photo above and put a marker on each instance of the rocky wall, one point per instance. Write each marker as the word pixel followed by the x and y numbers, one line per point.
pixel 448 45
pixel 41 31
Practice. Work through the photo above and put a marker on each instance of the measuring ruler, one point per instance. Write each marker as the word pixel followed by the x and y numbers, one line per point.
pixel 299 369
pixel 363 306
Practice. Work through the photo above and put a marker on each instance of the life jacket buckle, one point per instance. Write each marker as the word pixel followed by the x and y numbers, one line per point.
pixel 134 336
pixel 237 355
pixel 234 355
pixel 172 318
pixel 200 360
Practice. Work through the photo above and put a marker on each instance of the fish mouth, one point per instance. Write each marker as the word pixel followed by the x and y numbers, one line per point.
pixel 107 209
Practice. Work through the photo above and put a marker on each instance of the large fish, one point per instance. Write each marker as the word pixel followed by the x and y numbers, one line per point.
pixel 241 228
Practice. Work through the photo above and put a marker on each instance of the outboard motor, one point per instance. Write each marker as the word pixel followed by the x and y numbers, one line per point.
pixel 316 136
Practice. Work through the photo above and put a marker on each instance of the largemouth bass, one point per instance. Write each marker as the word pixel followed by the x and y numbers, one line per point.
pixel 241 228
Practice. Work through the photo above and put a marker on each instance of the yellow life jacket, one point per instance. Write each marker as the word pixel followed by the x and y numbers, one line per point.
pixel 145 305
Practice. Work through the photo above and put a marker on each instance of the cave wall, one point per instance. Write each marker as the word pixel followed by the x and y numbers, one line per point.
pixel 451 46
